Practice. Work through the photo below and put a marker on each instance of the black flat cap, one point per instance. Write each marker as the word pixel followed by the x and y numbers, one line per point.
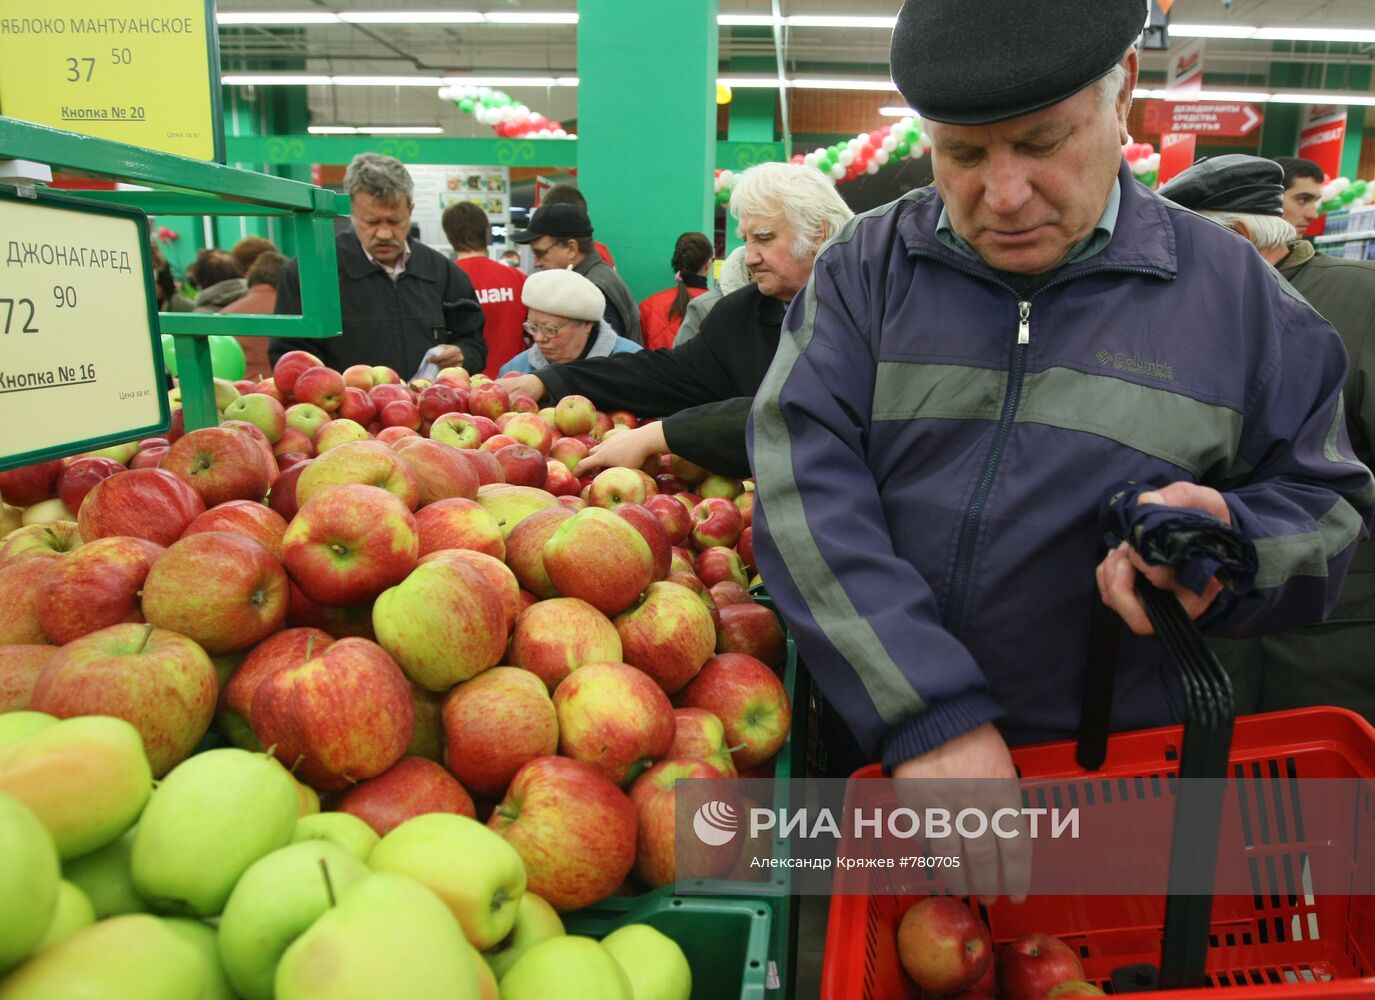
pixel 972 62
pixel 564 222
pixel 1231 183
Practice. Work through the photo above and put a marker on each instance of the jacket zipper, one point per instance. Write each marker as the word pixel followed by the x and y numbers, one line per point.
pixel 973 513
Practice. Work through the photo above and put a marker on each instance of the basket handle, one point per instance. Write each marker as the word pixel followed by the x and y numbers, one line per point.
pixel 1208 717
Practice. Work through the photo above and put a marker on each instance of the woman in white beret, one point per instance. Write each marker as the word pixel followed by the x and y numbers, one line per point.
pixel 564 323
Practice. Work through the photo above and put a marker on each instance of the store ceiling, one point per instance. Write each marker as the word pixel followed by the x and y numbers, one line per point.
pixel 551 50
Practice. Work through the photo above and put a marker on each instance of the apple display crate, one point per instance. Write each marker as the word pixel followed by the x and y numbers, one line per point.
pixel 772 895
pixel 726 941
pixel 1260 947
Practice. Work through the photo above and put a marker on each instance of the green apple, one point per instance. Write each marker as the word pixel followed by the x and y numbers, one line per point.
pixel 274 903
pixel 47 512
pixel 652 961
pixel 306 418
pixel 212 816
pixel 17 725
pixel 121 453
pixel 260 410
pixel 341 829
pixel 387 937
pixel 203 938
pixel 473 869
pixel 133 957
pixel 73 912
pixel 225 393
pixel 86 779
pixel 566 968
pixel 536 921
pixel 28 881
pixel 509 505
pixel 106 877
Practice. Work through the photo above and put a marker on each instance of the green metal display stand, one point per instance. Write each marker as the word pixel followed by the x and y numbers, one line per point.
pixel 193 187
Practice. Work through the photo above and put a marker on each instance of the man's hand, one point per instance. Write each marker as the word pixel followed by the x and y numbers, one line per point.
pixel 628 448
pixel 1117 572
pixel 523 385
pixel 446 356
pixel 974 771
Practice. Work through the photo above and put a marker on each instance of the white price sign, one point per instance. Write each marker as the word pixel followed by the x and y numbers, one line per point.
pixel 80 357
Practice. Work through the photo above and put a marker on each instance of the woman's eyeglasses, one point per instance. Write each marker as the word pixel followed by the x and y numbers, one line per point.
pixel 544 332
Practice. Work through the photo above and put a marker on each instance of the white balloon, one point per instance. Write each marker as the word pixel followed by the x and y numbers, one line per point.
pixel 845 158
pixel 837 171
pixel 820 152
pixel 853 145
pixel 508 114
pixel 522 111
pixel 809 159
pixel 727 177
pixel 881 156
pixel 889 143
pixel 872 168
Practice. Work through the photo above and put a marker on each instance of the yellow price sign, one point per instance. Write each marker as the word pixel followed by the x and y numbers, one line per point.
pixel 146 74
pixel 80 356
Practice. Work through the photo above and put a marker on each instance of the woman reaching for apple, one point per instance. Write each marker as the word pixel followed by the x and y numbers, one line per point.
pixel 702 389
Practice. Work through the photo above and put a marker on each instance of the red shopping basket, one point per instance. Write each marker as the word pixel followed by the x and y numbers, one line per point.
pixel 1264 946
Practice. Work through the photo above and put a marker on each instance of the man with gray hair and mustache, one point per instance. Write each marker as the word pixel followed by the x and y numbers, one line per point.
pixel 973 373
pixel 402 302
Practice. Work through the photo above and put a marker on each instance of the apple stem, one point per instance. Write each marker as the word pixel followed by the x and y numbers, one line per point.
pixel 310 644
pixel 147 634
pixel 737 748
pixel 329 885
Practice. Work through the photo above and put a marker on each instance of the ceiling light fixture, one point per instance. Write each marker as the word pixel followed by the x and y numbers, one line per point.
pixel 412 17
pixel 267 17
pixel 1273 34
pixel 896 111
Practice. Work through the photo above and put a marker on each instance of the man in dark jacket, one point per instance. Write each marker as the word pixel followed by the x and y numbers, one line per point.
pixel 560 235
pixel 971 369
pixel 703 388
pixel 401 301
pixel 1332 663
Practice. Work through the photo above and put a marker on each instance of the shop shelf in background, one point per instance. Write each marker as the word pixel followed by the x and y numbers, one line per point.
pixel 1261 947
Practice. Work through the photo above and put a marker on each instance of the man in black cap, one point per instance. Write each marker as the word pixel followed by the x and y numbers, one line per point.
pixel 1329 663
pixel 560 235
pixel 972 368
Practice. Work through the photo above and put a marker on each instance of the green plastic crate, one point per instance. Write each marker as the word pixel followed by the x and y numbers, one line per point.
pixel 726 941
pixel 773 895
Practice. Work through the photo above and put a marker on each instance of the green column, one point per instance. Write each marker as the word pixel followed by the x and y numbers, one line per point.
pixel 646 128
pixel 753 112
pixel 1357 78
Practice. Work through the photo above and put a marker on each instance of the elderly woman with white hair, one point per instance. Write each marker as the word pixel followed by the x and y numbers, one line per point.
pixel 702 389
pixel 564 323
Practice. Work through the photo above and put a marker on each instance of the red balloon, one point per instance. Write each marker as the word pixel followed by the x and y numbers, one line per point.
pixel 851 173
pixel 876 136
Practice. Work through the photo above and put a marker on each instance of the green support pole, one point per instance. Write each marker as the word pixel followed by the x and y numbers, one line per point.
pixel 196 378
pixel 752 115
pixel 646 128
pixel 1280 133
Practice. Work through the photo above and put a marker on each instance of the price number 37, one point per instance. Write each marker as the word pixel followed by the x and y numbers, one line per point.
pixel 80 68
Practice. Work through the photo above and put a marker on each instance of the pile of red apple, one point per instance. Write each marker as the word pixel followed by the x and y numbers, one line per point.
pixel 948 951
pixel 405 594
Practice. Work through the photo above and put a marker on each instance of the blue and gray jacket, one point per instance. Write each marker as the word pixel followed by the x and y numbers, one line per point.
pixel 930 449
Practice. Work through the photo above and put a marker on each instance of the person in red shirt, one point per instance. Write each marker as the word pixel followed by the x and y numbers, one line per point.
pixel 662 313
pixel 498 285
pixel 567 194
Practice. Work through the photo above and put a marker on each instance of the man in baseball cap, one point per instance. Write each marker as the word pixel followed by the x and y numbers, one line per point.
pixel 972 369
pixel 560 236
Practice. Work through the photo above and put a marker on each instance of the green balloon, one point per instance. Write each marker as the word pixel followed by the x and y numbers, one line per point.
pixel 466 105
pixel 169 354
pixel 1331 205
pixel 902 149
pixel 1359 187
pixel 1349 195
pixel 914 136
pixel 226 356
